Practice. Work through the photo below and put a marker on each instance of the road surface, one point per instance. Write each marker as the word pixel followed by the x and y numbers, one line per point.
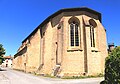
pixel 8 76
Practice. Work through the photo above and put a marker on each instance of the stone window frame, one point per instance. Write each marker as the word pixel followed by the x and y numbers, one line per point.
pixel 93 26
pixel 93 40
pixel 74 34
pixel 92 36
pixel 74 20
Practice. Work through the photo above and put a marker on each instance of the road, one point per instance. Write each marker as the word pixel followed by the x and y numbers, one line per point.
pixel 8 76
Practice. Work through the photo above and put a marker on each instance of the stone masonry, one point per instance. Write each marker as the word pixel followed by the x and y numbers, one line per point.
pixel 59 49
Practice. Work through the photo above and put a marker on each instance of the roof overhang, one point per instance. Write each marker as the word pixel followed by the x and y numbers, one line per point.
pixel 61 11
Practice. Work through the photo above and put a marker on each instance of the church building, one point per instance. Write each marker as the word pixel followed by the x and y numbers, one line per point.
pixel 70 42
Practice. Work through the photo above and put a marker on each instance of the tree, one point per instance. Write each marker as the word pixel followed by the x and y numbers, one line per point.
pixel 112 67
pixel 2 52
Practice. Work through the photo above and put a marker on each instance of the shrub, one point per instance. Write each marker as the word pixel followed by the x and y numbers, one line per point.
pixel 112 67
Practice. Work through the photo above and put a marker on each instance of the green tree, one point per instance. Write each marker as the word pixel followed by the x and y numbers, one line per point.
pixel 112 67
pixel 2 52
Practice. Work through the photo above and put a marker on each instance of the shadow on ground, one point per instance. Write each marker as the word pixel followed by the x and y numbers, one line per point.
pixel 2 69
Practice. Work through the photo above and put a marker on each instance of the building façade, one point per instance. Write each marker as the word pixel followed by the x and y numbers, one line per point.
pixel 70 42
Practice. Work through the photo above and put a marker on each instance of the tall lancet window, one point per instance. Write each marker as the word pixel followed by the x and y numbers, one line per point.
pixel 74 33
pixel 92 36
pixel 92 32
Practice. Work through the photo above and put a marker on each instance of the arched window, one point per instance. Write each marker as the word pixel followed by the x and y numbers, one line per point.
pixel 92 32
pixel 74 32
pixel 92 36
pixel 74 36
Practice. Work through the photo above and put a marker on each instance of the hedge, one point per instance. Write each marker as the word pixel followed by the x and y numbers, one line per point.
pixel 112 67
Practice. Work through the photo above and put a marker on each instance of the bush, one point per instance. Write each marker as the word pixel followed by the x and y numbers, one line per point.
pixel 1 59
pixel 112 67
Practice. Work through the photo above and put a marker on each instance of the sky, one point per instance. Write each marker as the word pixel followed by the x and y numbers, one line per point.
pixel 18 18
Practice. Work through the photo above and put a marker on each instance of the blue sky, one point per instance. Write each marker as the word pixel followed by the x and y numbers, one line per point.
pixel 18 18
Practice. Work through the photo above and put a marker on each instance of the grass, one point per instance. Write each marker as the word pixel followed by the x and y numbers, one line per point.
pixel 65 77
pixel 82 77
pixel 74 77
pixel 47 75
pixel 19 70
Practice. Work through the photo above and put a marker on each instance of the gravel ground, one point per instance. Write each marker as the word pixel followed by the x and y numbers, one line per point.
pixel 8 76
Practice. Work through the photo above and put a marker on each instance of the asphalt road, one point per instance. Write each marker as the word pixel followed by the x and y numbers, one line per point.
pixel 9 76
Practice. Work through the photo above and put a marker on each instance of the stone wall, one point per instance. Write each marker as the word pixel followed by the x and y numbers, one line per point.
pixel 50 52
pixel 29 61
pixel 33 53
